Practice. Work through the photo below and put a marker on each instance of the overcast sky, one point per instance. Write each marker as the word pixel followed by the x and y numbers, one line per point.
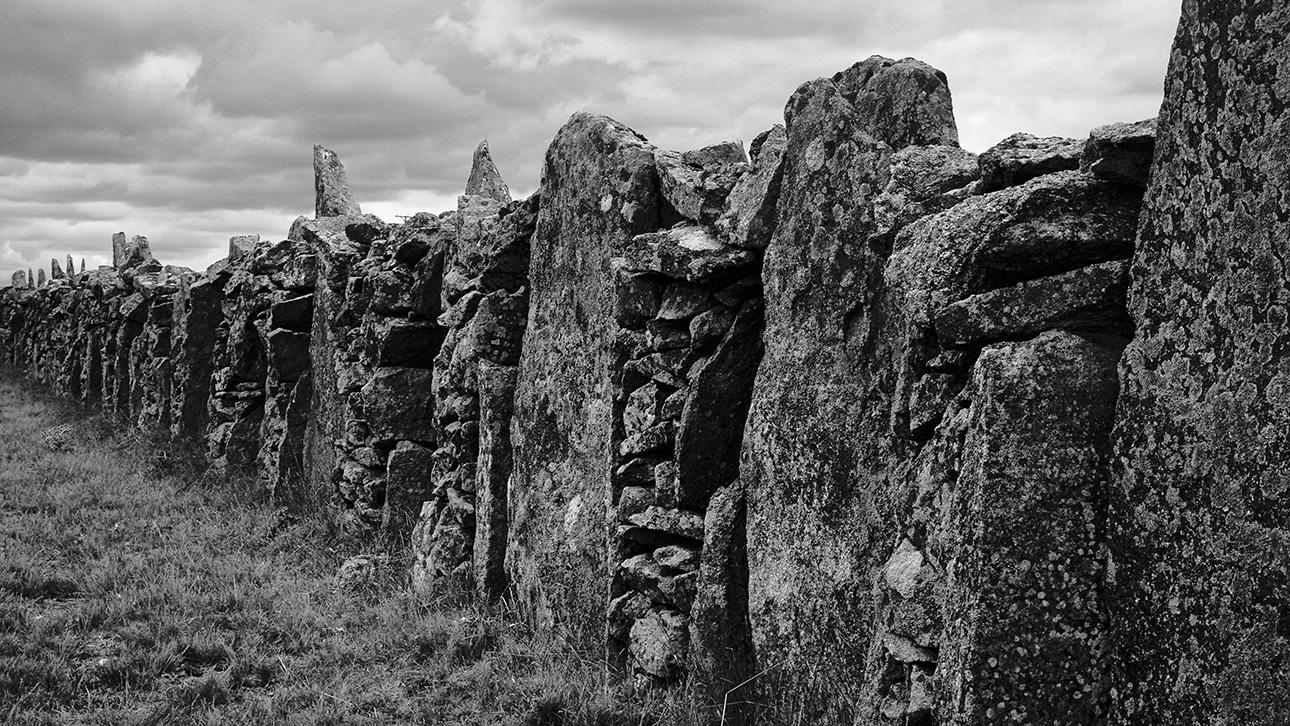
pixel 191 121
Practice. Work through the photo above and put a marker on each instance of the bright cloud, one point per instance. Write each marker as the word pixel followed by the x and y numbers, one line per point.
pixel 189 121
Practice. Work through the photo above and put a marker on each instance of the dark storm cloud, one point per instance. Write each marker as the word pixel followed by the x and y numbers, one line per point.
pixel 191 121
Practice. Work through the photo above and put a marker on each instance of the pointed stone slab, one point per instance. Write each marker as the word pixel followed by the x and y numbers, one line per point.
pixel 1121 152
pixel 332 197
pixel 485 180
pixel 56 270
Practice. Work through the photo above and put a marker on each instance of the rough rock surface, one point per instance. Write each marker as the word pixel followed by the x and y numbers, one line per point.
pixel 331 187
pixel 824 435
pixel 749 216
pixel 1023 638
pixel 811 480
pixel 485 180
pixel 695 184
pixel 1022 157
pixel 1199 598
pixel 1090 298
pixel 1121 152
pixel 460 537
pixel 599 188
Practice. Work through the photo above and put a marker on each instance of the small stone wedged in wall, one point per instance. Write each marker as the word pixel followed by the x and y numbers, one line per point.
pixel 923 180
pixel 1022 157
pixel 1090 298
pixel 695 184
pixel 1121 152
pixel 749 214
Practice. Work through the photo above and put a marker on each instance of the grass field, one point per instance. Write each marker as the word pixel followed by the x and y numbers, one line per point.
pixel 137 589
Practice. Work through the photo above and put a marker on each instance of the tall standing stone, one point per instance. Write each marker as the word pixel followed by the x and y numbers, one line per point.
pixel 1200 513
pixel 485 180
pixel 332 197
pixel 56 270
pixel 40 277
pixel 599 188
pixel 815 457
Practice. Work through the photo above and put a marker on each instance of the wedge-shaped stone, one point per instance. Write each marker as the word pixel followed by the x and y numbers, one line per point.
pixel 696 183
pixel 1090 298
pixel 1121 152
pixel 485 180
pixel 1022 157
pixel 685 252
pixel 749 216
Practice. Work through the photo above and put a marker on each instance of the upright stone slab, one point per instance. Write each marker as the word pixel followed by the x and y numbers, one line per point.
pixel 336 253
pixel 496 406
pixel 1023 605
pixel 332 197
pixel 486 288
pixel 1200 515
pixel 599 188
pixel 197 313
pixel 814 462
pixel 485 180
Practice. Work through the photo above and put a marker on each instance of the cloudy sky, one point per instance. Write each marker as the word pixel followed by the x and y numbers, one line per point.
pixel 191 120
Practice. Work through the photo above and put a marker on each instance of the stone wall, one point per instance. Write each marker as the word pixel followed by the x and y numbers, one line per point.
pixel 853 426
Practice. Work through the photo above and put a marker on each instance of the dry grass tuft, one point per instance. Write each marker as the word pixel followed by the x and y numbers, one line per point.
pixel 136 587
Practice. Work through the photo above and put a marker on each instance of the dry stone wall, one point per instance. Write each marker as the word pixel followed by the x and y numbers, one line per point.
pixel 854 427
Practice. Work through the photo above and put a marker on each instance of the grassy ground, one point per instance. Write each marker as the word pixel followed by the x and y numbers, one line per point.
pixel 135 589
